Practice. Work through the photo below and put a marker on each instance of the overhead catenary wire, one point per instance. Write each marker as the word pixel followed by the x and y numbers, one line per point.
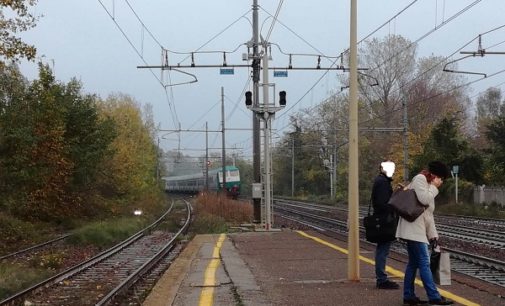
pixel 396 54
pixel 426 71
pixel 438 64
pixel 112 16
pixel 267 38
pixel 215 36
pixel 239 99
pixel 170 98
pixel 339 56
pixel 386 22
pixel 434 29
pixel 309 89
pixel 438 94
pixel 202 46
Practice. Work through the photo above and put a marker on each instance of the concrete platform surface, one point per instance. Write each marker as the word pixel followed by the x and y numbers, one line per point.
pixel 287 268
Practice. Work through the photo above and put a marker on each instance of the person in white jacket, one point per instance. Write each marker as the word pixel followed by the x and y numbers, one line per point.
pixel 418 233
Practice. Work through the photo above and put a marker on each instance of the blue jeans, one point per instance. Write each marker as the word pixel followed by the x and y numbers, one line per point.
pixel 381 253
pixel 419 258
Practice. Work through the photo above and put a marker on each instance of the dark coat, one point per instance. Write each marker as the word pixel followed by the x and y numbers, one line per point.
pixel 381 192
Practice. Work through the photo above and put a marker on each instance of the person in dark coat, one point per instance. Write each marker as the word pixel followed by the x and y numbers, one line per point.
pixel 381 192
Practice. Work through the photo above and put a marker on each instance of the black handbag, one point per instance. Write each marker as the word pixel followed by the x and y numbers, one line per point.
pixel 406 204
pixel 380 227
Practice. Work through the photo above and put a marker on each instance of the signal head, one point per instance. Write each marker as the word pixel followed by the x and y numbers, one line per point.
pixel 248 98
pixel 282 98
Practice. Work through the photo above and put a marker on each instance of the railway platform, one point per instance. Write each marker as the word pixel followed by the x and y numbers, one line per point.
pixel 290 268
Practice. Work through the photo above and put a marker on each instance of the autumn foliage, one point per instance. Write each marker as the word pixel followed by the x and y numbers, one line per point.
pixel 65 154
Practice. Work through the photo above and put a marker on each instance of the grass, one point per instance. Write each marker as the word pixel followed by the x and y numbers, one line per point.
pixel 14 278
pixel 105 233
pixel 493 210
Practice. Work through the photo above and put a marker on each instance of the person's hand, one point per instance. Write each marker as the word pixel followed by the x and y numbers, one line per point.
pixel 437 182
pixel 434 243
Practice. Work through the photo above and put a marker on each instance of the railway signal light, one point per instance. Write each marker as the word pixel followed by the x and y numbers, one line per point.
pixel 248 98
pixel 282 98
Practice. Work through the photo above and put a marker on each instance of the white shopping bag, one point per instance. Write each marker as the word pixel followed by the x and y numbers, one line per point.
pixel 442 274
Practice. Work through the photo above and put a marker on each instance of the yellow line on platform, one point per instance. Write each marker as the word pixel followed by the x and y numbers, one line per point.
pixel 207 294
pixel 392 271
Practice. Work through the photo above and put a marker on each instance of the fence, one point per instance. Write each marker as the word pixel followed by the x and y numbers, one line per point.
pixel 483 194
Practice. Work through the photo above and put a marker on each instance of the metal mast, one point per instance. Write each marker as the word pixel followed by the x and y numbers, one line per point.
pixel 255 120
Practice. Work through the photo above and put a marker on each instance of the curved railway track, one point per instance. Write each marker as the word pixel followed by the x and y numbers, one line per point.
pixel 474 265
pixel 109 275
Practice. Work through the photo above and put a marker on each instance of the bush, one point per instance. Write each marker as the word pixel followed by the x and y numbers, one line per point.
pixel 448 192
pixel 213 213
pixel 17 234
pixel 232 211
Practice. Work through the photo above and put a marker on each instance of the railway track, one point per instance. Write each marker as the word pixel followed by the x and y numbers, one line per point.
pixel 474 265
pixel 107 277
pixel 474 231
pixel 35 247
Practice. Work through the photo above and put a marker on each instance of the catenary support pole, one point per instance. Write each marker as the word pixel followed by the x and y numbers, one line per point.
pixel 206 156
pixel 255 120
pixel 353 219
pixel 292 166
pixel 405 142
pixel 223 141
pixel 266 161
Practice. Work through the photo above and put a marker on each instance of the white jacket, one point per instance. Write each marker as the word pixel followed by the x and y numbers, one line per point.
pixel 423 228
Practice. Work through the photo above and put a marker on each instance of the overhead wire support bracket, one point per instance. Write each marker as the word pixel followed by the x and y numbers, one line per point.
pixel 174 67
pixel 461 71
pixel 480 52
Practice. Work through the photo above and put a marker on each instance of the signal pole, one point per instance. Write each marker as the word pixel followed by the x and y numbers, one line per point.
pixel 255 120
pixel 266 112
pixel 259 110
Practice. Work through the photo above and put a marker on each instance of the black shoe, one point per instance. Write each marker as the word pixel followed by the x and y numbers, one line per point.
pixel 442 301
pixel 388 285
pixel 414 301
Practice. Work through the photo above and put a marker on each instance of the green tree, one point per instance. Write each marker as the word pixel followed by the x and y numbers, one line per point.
pixel 87 135
pixel 447 144
pixel 130 172
pixel 15 134
pixel 43 165
pixel 51 143
pixel 496 152
pixel 15 18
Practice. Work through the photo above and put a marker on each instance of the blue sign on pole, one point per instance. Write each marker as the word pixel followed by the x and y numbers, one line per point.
pixel 227 71
pixel 282 73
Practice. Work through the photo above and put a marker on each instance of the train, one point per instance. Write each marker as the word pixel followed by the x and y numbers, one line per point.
pixel 195 183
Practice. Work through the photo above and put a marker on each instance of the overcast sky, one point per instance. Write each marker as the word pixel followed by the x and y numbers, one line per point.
pixel 80 39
